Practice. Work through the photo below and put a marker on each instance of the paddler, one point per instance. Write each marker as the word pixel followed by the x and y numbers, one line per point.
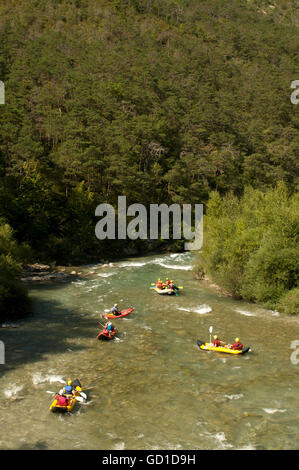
pixel 159 284
pixel 217 343
pixel 115 310
pixel 236 346
pixel 167 282
pixel 68 389
pixel 108 329
pixel 62 401
pixel 172 286
pixel 104 332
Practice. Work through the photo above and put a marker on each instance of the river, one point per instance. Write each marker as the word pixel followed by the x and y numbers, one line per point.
pixel 152 388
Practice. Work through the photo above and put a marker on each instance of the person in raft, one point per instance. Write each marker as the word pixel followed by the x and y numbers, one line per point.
pixel 109 328
pixel 167 282
pixel 236 346
pixel 107 331
pixel 115 310
pixel 217 342
pixel 62 400
pixel 68 389
pixel 159 284
pixel 171 286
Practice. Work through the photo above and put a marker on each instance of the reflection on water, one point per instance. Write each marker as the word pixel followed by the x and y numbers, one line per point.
pixel 154 388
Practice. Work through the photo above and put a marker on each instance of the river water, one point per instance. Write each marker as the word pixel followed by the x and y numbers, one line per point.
pixel 152 388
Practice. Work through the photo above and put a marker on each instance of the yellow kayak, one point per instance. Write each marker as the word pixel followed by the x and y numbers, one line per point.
pixel 72 399
pixel 208 347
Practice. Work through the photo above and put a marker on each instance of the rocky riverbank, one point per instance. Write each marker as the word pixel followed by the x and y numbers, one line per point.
pixel 200 275
pixel 43 272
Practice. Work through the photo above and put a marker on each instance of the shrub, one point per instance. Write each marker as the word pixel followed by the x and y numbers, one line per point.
pixel 289 302
pixel 14 301
pixel 251 244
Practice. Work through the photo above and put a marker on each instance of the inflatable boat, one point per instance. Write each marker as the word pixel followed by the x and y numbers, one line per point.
pixel 165 291
pixel 71 399
pixel 123 313
pixel 208 347
pixel 106 337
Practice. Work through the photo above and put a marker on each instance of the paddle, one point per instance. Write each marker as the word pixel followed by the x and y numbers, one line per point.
pixel 211 331
pixel 83 395
pixel 80 399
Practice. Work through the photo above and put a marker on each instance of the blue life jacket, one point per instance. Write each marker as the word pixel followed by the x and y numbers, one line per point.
pixel 68 389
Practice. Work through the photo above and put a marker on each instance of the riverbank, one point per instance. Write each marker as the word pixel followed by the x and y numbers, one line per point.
pixel 41 272
pixel 202 277
pixel 44 273
pixel 205 280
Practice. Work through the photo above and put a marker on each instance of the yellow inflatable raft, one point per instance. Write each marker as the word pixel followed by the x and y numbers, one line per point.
pixel 209 347
pixel 72 399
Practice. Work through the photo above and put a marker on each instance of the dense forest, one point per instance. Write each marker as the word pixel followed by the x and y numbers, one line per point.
pixel 161 101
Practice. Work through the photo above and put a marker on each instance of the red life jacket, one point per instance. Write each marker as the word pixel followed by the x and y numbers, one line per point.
pixel 237 346
pixel 62 401
pixel 217 343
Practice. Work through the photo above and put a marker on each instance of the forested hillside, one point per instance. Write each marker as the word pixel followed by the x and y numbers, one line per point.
pixel 161 101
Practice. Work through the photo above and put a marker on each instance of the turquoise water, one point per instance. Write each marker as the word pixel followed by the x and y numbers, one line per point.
pixel 152 388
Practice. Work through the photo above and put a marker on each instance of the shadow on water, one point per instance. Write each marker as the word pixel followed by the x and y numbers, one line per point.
pixel 39 445
pixel 51 329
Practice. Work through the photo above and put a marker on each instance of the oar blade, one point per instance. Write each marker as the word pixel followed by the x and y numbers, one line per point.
pixel 80 399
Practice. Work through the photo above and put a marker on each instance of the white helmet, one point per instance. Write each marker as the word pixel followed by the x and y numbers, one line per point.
pixel 115 305
pixel 109 323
